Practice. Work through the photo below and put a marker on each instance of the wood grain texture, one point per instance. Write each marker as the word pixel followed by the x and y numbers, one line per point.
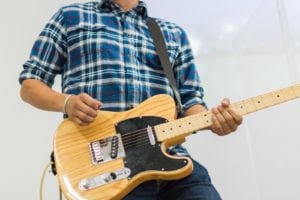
pixel 73 160
pixel 71 142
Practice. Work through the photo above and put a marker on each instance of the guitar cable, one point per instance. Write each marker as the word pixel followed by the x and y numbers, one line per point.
pixel 43 179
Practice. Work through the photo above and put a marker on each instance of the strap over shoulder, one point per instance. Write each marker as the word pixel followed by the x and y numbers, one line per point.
pixel 163 55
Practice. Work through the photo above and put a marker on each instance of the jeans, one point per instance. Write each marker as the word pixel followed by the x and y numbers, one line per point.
pixel 196 186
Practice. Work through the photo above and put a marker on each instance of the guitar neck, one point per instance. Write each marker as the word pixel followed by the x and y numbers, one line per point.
pixel 184 126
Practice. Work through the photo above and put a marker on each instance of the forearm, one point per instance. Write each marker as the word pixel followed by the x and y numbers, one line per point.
pixel 41 96
pixel 195 109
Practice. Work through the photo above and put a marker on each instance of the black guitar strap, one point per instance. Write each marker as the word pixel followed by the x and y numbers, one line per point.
pixel 161 48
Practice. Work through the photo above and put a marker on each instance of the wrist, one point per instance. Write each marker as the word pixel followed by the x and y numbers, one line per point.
pixel 66 101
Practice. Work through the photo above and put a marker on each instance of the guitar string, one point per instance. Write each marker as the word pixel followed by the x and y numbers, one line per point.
pixel 139 144
pixel 134 133
pixel 134 139
pixel 130 138
pixel 137 138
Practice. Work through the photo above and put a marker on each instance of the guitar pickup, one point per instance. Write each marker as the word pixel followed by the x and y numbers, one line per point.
pixel 107 149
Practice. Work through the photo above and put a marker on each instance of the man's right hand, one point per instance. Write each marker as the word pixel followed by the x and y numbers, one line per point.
pixel 82 109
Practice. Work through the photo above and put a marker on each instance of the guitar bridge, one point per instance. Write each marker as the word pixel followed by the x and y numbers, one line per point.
pixel 107 149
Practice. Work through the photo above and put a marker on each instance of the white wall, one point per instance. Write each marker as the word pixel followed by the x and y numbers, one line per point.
pixel 243 49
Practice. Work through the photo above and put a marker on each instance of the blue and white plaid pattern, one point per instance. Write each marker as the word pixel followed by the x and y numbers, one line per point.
pixel 107 53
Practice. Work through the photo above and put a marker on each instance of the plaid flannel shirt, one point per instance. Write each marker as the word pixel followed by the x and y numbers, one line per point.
pixel 99 49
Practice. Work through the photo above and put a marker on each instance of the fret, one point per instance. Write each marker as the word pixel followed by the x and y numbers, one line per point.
pixel 161 132
pixel 239 107
pixel 183 126
pixel 266 100
pixel 190 123
pixel 282 95
pixel 249 106
pixel 290 93
pixel 269 101
pixel 187 125
pixel 206 117
pixel 296 90
pixel 197 122
pixel 170 130
pixel 258 102
pixel 179 125
pixel 277 96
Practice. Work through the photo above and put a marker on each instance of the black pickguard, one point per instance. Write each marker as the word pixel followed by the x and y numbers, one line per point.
pixel 144 157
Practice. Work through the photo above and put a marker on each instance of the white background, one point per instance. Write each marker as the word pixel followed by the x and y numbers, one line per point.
pixel 242 48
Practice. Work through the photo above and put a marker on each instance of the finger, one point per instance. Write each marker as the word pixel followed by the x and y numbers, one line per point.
pixel 81 106
pixel 84 117
pixel 218 126
pixel 236 117
pixel 226 120
pixel 229 122
pixel 225 103
pixel 232 117
pixel 85 111
pixel 91 102
pixel 79 121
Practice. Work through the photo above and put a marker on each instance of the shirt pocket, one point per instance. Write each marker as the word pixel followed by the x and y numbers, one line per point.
pixel 87 43
pixel 83 31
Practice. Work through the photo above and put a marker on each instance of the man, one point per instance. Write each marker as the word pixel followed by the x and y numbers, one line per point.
pixel 107 60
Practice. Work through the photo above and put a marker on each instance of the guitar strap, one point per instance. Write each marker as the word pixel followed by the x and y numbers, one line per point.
pixel 161 48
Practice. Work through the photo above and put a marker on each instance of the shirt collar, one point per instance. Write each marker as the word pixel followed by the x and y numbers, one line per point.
pixel 140 9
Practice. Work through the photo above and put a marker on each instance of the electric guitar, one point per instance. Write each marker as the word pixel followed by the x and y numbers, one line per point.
pixel 120 150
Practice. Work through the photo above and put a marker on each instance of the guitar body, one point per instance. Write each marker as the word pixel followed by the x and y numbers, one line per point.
pixel 120 150
pixel 113 155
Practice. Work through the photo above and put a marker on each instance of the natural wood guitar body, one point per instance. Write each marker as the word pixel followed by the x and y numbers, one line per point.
pixel 73 160
pixel 120 150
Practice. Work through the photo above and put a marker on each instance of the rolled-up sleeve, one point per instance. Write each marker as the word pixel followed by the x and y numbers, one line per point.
pixel 187 75
pixel 48 54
